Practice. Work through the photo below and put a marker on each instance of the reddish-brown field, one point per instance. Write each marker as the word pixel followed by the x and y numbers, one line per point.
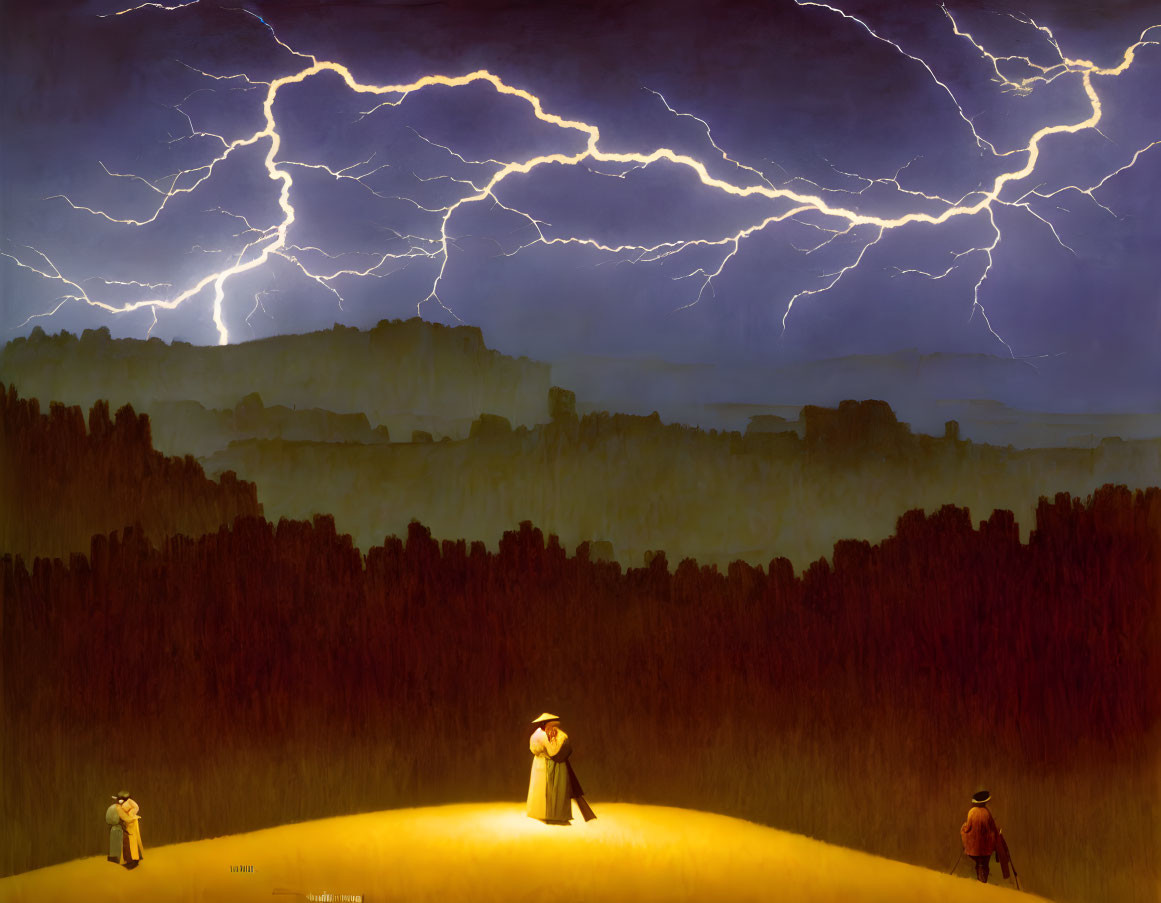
pixel 264 674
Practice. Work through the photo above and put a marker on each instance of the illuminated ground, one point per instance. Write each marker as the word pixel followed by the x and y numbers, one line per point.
pixel 492 851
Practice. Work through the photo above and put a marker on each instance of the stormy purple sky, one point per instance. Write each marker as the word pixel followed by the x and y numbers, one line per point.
pixel 799 97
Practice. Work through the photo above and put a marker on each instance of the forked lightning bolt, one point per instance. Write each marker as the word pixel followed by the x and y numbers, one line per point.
pixel 833 212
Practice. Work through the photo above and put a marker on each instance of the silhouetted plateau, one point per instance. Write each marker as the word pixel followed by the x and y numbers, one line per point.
pixel 201 431
pixel 413 376
pixel 401 375
pixel 996 400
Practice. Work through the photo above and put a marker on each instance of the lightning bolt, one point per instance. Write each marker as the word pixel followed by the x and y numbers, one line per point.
pixel 161 6
pixel 259 297
pixel 980 140
pixel 834 212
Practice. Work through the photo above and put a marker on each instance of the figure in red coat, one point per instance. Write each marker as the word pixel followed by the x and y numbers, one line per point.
pixel 981 838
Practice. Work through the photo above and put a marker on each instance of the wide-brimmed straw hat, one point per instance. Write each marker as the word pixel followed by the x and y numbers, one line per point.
pixel 546 716
pixel 980 797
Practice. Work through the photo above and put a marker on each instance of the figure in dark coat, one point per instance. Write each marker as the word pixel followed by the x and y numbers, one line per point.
pixel 574 785
pixel 113 820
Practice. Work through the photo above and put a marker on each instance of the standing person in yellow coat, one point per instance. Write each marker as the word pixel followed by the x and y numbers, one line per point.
pixel 132 849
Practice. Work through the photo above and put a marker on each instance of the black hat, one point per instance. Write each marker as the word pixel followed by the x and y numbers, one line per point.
pixel 980 797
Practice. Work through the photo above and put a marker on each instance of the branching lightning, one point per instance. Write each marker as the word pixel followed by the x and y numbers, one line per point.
pixel 832 212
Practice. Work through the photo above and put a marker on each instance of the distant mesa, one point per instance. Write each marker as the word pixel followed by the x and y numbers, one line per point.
pixel 561 404
pixel 656 558
pixel 770 424
pixel 251 419
pixel 249 406
pixel 601 550
pixel 401 375
pixel 491 426
pixel 407 376
pixel 921 388
pixel 854 427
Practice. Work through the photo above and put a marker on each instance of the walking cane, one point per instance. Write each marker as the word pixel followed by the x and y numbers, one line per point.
pixel 1007 863
pixel 957 859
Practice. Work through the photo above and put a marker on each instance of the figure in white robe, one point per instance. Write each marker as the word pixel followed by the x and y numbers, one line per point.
pixel 549 796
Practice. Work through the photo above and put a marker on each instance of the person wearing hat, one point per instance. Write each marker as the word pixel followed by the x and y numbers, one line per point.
pixel 980 835
pixel 132 849
pixel 553 783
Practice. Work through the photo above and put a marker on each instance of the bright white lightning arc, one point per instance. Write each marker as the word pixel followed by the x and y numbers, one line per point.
pixel 134 9
pixel 273 241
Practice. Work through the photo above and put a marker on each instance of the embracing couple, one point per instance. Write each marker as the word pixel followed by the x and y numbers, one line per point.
pixel 124 831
